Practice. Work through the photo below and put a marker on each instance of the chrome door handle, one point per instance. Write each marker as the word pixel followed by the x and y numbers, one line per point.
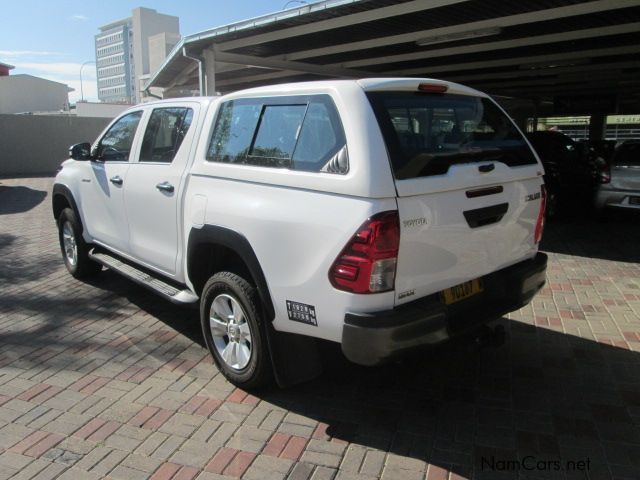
pixel 165 187
pixel 116 180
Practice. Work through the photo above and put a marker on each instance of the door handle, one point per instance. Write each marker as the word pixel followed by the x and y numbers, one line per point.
pixel 116 180
pixel 165 187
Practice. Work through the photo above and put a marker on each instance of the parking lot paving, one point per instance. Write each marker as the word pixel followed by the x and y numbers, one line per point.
pixel 103 379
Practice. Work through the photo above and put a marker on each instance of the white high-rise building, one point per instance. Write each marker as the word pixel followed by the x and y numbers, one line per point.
pixel 122 53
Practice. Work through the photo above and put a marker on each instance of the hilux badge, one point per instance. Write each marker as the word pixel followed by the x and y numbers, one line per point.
pixel 406 294
pixel 532 197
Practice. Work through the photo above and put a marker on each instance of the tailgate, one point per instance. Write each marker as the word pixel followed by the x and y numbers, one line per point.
pixel 468 186
pixel 447 237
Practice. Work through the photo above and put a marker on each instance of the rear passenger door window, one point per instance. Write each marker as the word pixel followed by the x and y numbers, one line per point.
pixel 165 131
pixel 296 132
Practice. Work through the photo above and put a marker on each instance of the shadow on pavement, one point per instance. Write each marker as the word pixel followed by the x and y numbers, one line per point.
pixel 17 269
pixel 19 199
pixel 544 405
pixel 185 320
pixel 6 240
pixel 542 400
pixel 614 235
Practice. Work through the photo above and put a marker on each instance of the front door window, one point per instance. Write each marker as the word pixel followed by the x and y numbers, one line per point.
pixel 116 144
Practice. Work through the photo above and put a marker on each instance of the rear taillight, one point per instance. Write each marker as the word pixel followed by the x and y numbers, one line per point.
pixel 604 176
pixel 537 233
pixel 367 264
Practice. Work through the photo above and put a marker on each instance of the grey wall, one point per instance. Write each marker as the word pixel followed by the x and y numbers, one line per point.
pixel 26 93
pixel 36 144
pixel 100 110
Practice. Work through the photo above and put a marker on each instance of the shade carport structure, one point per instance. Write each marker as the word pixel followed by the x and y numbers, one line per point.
pixel 562 56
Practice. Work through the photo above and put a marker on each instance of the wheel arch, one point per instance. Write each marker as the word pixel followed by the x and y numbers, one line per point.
pixel 214 248
pixel 62 198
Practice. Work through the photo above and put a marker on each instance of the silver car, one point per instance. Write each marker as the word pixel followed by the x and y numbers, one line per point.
pixel 620 186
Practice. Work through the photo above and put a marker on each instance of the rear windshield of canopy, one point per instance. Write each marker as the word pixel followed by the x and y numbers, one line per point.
pixel 427 133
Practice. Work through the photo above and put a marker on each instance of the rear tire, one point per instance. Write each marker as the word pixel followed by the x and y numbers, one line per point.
pixel 233 330
pixel 75 251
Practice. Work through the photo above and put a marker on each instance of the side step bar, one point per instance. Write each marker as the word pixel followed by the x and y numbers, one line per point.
pixel 143 278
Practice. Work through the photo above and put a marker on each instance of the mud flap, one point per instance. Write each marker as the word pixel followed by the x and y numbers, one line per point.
pixel 295 358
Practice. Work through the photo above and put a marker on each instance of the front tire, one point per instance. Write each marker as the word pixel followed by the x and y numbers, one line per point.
pixel 233 330
pixel 75 251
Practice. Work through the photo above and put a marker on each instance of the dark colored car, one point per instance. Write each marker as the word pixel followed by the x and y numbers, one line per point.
pixel 570 171
pixel 601 149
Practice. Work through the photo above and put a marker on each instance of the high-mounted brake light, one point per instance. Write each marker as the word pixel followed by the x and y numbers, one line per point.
pixel 432 88
pixel 537 233
pixel 367 264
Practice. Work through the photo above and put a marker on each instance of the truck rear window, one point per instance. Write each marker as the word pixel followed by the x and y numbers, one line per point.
pixel 427 133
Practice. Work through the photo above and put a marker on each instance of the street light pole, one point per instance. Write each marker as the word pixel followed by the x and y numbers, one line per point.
pixel 81 89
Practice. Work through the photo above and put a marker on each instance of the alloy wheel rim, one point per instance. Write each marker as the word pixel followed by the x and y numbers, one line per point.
pixel 69 244
pixel 230 331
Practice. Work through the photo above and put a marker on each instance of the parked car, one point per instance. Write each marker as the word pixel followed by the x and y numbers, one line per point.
pixel 601 149
pixel 620 186
pixel 382 214
pixel 570 172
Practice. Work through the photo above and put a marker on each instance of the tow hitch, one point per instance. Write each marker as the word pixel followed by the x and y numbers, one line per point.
pixel 490 337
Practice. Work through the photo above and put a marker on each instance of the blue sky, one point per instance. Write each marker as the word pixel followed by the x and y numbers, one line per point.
pixel 52 39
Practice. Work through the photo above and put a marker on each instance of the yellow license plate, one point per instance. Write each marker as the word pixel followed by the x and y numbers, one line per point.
pixel 462 291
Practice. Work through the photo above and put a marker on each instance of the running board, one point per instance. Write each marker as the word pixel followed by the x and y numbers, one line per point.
pixel 153 283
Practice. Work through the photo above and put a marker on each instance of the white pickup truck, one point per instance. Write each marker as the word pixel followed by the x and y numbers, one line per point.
pixel 383 214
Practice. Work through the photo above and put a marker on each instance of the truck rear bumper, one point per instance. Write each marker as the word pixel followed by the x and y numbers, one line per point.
pixel 373 338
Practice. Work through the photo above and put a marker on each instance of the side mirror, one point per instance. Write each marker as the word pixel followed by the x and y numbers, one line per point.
pixel 80 151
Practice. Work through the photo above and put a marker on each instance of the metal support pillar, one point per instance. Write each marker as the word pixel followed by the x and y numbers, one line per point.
pixel 209 57
pixel 597 126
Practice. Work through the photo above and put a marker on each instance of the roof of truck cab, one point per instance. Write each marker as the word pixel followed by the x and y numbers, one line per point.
pixel 201 100
pixel 367 84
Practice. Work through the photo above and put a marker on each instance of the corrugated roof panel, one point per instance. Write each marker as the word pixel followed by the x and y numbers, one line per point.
pixel 459 13
pixel 504 72
pixel 336 11
pixel 572 46
pixel 581 22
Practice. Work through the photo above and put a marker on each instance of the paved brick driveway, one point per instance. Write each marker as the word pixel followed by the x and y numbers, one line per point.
pixel 106 380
